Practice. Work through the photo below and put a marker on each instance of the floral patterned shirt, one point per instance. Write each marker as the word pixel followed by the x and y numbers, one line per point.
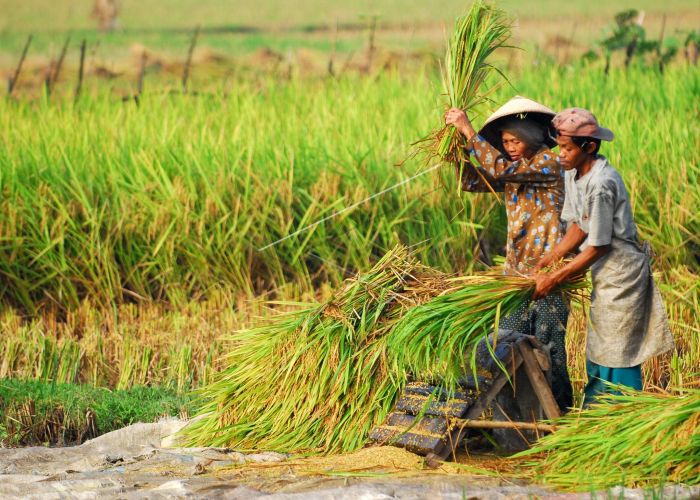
pixel 534 196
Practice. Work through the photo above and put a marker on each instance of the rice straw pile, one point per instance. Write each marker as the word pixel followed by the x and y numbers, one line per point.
pixel 320 378
pixel 476 37
pixel 632 439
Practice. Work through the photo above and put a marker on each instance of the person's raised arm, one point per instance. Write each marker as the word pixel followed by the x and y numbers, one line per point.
pixel 458 118
pixel 473 178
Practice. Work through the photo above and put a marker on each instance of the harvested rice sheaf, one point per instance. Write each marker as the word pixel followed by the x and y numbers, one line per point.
pixel 320 378
pixel 630 439
pixel 467 66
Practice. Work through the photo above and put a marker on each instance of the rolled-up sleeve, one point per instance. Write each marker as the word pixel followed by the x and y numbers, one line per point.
pixel 601 211
pixel 477 180
pixel 567 212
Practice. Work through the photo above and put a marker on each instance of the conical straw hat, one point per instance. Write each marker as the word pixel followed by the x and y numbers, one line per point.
pixel 521 107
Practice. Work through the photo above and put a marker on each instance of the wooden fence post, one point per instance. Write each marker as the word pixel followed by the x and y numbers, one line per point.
pixel 13 80
pixel 81 71
pixel 53 76
pixel 188 62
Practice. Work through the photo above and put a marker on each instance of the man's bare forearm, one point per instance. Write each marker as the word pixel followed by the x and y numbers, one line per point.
pixel 580 263
pixel 571 241
pixel 546 283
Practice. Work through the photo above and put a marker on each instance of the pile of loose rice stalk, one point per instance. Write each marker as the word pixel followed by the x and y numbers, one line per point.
pixel 632 439
pixel 317 380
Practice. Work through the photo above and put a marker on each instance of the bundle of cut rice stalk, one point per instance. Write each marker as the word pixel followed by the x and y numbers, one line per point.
pixel 319 379
pixel 313 379
pixel 437 340
pixel 632 439
pixel 476 36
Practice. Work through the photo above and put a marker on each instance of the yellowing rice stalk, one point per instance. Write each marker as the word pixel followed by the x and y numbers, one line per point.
pixel 633 439
pixel 131 345
pixel 319 379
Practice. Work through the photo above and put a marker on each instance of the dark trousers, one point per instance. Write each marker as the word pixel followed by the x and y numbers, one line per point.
pixel 546 320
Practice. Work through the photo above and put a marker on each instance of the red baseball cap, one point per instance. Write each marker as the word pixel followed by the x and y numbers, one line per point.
pixel 578 122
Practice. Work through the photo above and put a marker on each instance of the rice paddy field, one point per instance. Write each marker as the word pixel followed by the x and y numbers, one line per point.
pixel 111 211
pixel 134 216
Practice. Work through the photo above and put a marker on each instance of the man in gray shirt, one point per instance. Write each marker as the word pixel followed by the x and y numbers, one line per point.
pixel 628 323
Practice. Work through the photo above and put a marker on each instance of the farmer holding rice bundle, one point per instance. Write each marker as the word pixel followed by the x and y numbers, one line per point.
pixel 628 322
pixel 513 150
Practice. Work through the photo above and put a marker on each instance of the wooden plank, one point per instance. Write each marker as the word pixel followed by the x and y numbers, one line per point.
pixel 540 352
pixel 12 83
pixel 440 394
pixel 427 424
pixel 188 61
pixel 493 424
pixel 539 383
pixel 81 70
pixel 415 405
pixel 542 359
pixel 412 441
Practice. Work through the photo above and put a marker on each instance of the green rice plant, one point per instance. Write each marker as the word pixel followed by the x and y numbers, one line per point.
pixel 314 379
pixel 96 361
pixel 152 224
pixel 10 357
pixel 70 357
pixel 122 347
pixel 47 358
pixel 207 369
pixel 41 355
pixel 632 439
pixel 165 204
pixel 437 340
pixel 319 379
pixel 146 358
pixel 182 362
pixel 174 202
pixel 136 364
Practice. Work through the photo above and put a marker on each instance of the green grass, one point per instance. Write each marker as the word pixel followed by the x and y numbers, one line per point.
pixel 63 407
pixel 168 201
